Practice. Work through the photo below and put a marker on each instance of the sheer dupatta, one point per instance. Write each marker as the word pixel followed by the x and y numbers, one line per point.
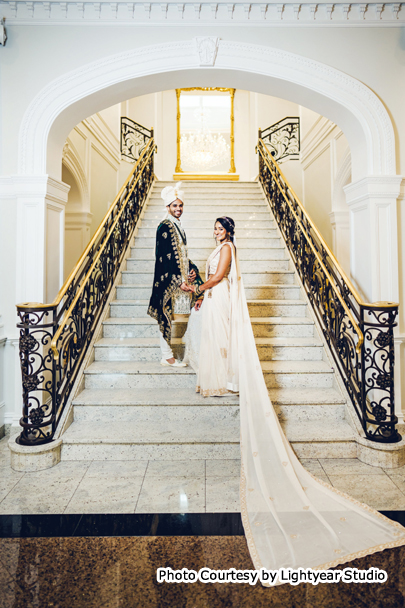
pixel 291 519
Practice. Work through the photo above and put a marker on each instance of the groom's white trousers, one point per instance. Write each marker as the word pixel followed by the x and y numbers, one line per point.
pixel 167 352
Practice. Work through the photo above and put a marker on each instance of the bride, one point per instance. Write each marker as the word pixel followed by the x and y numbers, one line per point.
pixel 207 350
pixel 291 518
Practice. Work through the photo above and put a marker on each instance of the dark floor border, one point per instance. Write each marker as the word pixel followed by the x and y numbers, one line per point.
pixel 159 524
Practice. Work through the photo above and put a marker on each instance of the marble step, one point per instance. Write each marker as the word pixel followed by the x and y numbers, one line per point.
pixel 277 277
pixel 189 224
pixel 207 233
pixel 147 441
pixel 321 439
pixel 150 374
pixel 201 255
pixel 209 243
pixel 259 308
pixel 289 292
pixel 206 183
pixel 147 349
pixel 277 308
pixel 143 441
pixel 246 266
pixel 210 213
pixel 298 374
pixel 262 327
pixel 181 404
pixel 213 189
pixel 289 349
pixel 236 199
pixel 178 397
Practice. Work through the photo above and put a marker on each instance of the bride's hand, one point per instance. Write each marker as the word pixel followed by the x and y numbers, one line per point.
pixel 198 304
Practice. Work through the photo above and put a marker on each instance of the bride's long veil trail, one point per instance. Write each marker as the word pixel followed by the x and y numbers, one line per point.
pixel 291 519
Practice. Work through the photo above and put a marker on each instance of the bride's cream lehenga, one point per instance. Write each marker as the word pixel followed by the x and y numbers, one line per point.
pixel 291 518
pixel 213 377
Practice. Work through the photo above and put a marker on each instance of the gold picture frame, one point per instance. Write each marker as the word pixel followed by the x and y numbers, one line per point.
pixel 231 175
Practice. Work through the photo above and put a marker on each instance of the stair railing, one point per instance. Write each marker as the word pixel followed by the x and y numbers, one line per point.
pixel 54 338
pixel 359 334
pixel 283 139
pixel 134 138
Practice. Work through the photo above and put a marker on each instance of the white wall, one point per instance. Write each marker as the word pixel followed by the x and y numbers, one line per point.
pixel 91 167
pixel 158 110
pixel 324 149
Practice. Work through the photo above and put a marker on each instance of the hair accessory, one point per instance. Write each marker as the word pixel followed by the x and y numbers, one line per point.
pixel 171 193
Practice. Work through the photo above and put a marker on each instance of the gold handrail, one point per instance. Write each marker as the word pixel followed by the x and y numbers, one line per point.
pixel 151 148
pixel 320 262
pixel 352 288
pixel 77 266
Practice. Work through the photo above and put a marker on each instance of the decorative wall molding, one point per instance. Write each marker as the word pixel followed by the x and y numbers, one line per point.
pixel 316 141
pixel 289 13
pixel 104 136
pixel 373 150
pixel 77 219
pixel 96 148
pixel 72 161
pixel 207 48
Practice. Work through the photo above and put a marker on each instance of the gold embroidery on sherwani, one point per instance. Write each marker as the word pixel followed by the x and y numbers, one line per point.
pixel 181 300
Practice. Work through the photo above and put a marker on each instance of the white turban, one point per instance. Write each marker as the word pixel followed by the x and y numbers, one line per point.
pixel 171 193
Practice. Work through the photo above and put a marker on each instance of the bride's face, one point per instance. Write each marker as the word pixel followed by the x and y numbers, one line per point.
pixel 220 233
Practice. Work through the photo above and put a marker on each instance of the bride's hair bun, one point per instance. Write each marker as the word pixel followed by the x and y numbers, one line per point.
pixel 228 224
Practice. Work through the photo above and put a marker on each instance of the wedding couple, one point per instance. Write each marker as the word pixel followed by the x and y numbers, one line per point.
pixel 291 518
pixel 178 288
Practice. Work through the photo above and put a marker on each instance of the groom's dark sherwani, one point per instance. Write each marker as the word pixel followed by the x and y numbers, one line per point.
pixel 172 267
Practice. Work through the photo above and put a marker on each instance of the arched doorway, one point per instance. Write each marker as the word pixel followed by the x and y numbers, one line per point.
pixel 344 100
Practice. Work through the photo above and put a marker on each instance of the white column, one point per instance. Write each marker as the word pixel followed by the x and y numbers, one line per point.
pixel 41 204
pixel 372 205
pixel 374 249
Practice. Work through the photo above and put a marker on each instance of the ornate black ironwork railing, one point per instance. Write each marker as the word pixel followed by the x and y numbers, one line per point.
pixel 134 139
pixel 54 338
pixel 360 335
pixel 283 139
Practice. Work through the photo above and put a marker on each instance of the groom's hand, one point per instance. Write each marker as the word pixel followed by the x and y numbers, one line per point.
pixel 184 287
pixel 192 275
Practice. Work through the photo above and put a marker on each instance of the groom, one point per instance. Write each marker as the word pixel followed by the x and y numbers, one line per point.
pixel 173 272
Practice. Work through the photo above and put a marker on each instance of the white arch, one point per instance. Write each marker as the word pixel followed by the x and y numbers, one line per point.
pixel 68 99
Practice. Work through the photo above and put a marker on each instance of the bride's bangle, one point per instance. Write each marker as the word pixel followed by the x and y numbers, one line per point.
pixel 198 291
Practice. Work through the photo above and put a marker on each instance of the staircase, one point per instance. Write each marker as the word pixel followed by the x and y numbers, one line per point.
pixel 133 408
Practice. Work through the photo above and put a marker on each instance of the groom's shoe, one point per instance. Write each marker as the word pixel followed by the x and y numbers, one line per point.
pixel 175 364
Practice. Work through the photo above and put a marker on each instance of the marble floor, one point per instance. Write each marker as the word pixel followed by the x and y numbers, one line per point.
pixel 193 486
pixel 92 535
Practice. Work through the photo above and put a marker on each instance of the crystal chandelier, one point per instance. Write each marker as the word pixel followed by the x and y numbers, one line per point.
pixel 203 149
